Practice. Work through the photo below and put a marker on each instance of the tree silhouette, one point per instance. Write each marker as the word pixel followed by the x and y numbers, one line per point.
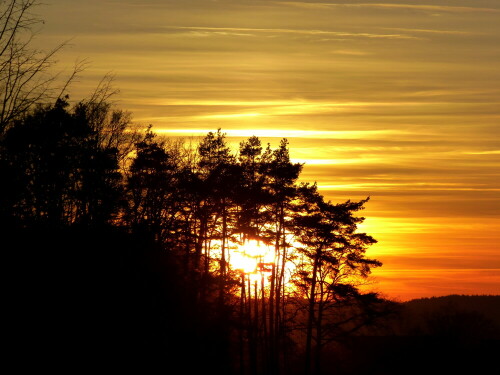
pixel 152 185
pixel 333 257
pixel 282 176
pixel 59 174
pixel 251 193
pixel 218 174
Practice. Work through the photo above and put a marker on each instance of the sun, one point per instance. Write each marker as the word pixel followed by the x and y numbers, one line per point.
pixel 255 261
pixel 249 257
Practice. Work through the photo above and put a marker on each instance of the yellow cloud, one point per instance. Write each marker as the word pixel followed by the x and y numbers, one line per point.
pixel 285 133
pixel 204 31
pixel 460 9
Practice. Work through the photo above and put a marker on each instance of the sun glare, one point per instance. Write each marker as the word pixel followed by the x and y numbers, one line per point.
pixel 250 257
pixel 255 261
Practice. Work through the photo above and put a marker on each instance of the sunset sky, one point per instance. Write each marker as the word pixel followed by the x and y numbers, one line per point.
pixel 399 101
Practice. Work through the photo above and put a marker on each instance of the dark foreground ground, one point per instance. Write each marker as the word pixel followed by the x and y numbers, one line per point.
pixel 111 303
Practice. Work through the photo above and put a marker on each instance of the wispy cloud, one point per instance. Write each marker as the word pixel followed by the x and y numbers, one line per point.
pixel 444 8
pixel 202 31
pixel 335 162
pixel 432 31
pixel 412 226
pixel 290 106
pixel 489 152
pixel 417 283
pixel 286 133
pixel 230 109
pixel 350 52
pixel 413 186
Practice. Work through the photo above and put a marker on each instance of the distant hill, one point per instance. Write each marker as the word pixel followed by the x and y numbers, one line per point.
pixel 468 315
pixel 456 334
pixel 467 302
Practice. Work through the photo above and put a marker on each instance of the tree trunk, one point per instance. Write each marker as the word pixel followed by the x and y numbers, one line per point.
pixel 319 334
pixel 310 319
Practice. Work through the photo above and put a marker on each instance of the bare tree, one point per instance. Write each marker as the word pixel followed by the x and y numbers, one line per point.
pixel 24 70
pixel 113 127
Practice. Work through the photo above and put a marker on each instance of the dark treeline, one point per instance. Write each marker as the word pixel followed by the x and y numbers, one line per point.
pixel 456 334
pixel 119 247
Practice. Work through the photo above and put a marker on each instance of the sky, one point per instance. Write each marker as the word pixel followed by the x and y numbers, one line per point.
pixel 395 100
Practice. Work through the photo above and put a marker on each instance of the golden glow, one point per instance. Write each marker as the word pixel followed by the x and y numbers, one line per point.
pixel 390 100
pixel 247 257
pixel 286 133
pixel 387 4
pixel 333 162
pixel 255 261
pixel 207 31
pixel 233 115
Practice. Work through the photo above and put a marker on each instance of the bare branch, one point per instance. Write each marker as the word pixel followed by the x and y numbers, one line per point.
pixel 79 67
pixel 25 79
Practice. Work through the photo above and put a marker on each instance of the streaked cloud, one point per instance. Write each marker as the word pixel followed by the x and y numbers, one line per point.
pixel 489 152
pixel 432 31
pixel 444 8
pixel 351 52
pixel 411 186
pixel 284 133
pixel 232 30
pixel 435 282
